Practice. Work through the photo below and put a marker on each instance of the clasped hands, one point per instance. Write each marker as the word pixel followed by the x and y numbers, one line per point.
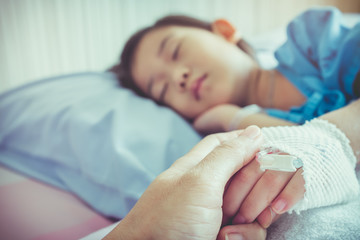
pixel 216 183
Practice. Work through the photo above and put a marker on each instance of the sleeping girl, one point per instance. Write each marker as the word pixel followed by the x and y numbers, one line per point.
pixel 209 74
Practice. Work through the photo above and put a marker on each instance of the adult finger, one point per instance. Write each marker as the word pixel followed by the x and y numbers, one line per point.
pixel 243 231
pixel 239 187
pixel 264 192
pixel 227 158
pixel 203 148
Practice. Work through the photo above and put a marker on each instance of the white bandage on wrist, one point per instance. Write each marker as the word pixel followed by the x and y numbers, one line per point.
pixel 328 161
pixel 241 114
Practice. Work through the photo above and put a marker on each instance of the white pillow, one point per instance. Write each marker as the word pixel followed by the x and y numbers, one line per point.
pixel 85 134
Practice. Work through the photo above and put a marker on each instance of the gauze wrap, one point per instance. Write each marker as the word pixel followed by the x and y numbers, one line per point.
pixel 328 161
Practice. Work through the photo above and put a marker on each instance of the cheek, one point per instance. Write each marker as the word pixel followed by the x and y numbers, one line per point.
pixel 185 107
pixel 220 84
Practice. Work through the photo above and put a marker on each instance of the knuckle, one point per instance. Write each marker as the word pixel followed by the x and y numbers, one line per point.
pixel 224 149
pixel 190 178
pixel 246 211
pixel 228 145
pixel 211 137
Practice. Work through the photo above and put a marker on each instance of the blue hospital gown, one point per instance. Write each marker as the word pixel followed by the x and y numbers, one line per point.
pixel 321 57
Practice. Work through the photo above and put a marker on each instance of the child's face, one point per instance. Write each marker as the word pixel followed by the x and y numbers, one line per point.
pixel 190 69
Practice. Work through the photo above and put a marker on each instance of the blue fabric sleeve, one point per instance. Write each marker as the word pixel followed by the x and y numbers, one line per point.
pixel 321 57
pixel 313 38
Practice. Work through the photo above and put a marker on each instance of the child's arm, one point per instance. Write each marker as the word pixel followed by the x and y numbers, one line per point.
pixel 347 120
pixel 219 119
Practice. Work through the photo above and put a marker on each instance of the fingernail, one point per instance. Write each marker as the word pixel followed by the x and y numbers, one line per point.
pixel 252 132
pixel 273 215
pixel 279 206
pixel 234 236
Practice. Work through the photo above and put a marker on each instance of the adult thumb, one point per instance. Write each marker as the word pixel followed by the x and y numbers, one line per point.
pixel 230 156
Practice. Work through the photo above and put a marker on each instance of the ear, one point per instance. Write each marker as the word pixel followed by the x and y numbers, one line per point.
pixel 226 30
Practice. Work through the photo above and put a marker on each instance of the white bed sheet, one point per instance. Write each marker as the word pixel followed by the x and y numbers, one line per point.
pixel 334 222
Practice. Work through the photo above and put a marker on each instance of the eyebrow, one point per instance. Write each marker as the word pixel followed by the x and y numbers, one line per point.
pixel 163 43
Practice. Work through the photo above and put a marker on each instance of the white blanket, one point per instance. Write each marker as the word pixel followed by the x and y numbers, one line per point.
pixel 334 222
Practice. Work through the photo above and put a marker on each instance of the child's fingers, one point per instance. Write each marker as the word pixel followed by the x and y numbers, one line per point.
pixel 292 193
pixel 262 195
pixel 239 187
pixel 267 217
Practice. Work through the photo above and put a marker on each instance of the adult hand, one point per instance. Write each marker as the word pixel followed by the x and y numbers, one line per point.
pixel 216 119
pixel 185 201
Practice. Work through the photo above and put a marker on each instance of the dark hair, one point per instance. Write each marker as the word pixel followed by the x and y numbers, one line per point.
pixel 123 68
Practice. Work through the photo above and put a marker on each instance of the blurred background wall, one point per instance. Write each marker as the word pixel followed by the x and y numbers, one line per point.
pixel 43 38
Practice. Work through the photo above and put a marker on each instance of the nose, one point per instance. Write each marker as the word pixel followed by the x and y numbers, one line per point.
pixel 181 76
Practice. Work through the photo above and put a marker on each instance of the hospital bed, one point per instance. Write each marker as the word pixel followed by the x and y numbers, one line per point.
pixel 70 167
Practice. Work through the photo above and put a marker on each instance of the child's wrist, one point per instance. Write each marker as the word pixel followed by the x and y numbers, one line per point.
pixel 241 115
pixel 327 160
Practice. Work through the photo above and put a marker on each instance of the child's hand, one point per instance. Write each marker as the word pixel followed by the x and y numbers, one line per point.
pixel 216 119
pixel 254 194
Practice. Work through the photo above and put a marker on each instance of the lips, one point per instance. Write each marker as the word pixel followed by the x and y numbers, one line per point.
pixel 196 86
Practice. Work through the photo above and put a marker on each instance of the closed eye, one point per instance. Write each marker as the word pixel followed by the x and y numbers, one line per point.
pixel 163 92
pixel 175 54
